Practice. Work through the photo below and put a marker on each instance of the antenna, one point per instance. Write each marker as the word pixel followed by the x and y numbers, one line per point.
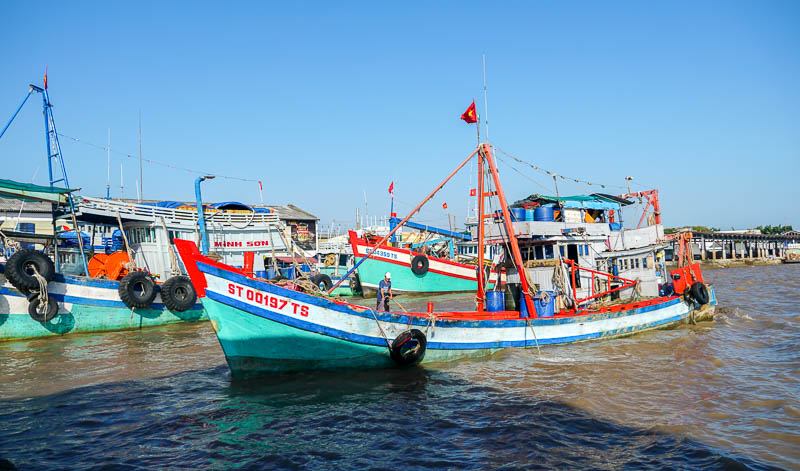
pixel 108 166
pixel 140 191
pixel 121 182
pixel 485 99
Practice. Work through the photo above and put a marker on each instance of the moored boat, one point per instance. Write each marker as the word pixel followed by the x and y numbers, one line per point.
pixel 264 327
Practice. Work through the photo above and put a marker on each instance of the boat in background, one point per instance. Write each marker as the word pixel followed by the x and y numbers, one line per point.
pixel 413 271
pixel 266 327
pixel 791 254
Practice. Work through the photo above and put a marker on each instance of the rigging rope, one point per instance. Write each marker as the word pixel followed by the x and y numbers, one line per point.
pixel 156 162
pixel 556 175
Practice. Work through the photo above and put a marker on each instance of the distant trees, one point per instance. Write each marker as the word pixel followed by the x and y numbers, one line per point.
pixel 772 230
pixel 672 230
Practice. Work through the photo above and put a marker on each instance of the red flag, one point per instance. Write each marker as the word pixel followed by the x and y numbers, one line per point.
pixel 260 186
pixel 45 77
pixel 444 205
pixel 473 192
pixel 391 188
pixel 471 115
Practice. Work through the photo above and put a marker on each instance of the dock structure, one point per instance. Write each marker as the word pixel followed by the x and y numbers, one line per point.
pixel 740 245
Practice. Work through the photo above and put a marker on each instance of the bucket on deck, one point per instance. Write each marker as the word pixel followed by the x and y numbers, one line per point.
pixel 615 226
pixel 495 301
pixel 261 273
pixel 271 273
pixel 543 213
pixel 517 214
pixel 288 273
pixel 544 302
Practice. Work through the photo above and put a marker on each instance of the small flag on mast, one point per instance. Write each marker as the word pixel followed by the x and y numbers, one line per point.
pixel 471 115
pixel 444 205
pixel 391 188
pixel 473 192
pixel 45 78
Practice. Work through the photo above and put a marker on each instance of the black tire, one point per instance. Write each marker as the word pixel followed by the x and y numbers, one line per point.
pixel 19 269
pixel 137 290
pixel 43 315
pixel 323 281
pixel 699 293
pixel 178 294
pixel 420 264
pixel 409 347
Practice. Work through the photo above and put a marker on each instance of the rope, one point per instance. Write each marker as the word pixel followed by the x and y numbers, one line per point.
pixel 155 162
pixel 43 296
pixel 534 336
pixel 385 337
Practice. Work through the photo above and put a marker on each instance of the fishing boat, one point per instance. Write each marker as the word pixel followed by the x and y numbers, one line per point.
pixel 415 269
pixel 108 264
pixel 265 327
pixel 791 254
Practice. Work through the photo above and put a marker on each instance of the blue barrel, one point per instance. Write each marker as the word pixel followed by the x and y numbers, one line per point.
pixel 543 213
pixel 288 273
pixel 261 273
pixel 529 215
pixel 517 214
pixel 545 303
pixel 271 273
pixel 495 301
pixel 305 268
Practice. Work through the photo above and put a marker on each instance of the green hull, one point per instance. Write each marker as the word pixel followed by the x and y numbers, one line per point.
pixel 371 272
pixel 255 345
pixel 15 323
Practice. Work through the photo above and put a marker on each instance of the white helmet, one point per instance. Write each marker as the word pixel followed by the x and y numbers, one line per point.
pixel 388 275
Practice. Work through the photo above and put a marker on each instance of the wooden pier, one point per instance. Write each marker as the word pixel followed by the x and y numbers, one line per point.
pixel 740 245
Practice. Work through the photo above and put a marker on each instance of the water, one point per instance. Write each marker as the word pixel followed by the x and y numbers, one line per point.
pixel 716 395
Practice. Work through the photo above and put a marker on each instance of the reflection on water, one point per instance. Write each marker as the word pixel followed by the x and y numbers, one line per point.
pixel 713 395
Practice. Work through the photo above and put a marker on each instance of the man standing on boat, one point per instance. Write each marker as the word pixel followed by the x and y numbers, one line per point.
pixel 384 293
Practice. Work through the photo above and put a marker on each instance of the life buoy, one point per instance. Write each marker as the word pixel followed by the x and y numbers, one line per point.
pixel 42 313
pixel 178 294
pixel 323 281
pixel 699 293
pixel 409 347
pixel 21 266
pixel 137 290
pixel 420 264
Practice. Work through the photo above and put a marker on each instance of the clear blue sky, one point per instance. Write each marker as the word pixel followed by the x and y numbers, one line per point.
pixel 324 101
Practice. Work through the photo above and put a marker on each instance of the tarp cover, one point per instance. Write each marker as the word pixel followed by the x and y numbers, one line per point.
pixel 31 192
pixel 593 201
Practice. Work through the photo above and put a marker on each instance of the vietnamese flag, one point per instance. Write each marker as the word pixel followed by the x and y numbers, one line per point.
pixel 391 188
pixel 473 192
pixel 444 205
pixel 471 115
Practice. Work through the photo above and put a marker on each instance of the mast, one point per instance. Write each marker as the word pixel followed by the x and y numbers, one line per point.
pixel 480 294
pixel 509 225
pixel 140 192
pixel 108 166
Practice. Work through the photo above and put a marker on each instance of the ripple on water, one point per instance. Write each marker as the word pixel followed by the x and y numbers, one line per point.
pixel 721 395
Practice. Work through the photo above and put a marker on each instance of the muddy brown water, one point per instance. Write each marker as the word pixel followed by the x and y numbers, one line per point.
pixel 716 395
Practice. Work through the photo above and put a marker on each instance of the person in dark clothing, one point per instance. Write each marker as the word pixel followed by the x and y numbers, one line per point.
pixel 384 293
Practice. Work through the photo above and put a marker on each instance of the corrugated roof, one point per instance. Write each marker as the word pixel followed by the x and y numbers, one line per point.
pixel 290 212
pixel 7 204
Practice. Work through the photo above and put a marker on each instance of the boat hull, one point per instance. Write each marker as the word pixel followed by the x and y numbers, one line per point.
pixel 265 328
pixel 84 305
pixel 442 276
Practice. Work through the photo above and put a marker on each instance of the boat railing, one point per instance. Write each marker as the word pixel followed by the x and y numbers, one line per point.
pixel 595 292
pixel 172 214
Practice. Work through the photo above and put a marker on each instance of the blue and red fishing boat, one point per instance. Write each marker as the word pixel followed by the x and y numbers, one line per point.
pixel 268 327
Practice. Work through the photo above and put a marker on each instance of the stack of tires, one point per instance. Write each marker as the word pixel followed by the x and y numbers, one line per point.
pixel 20 270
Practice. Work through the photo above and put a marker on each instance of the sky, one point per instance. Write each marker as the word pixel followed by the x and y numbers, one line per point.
pixel 328 102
